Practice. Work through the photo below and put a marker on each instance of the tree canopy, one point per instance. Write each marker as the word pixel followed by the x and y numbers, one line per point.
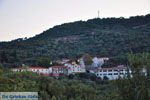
pixel 111 37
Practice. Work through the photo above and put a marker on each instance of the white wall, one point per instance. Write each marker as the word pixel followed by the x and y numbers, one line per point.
pixel 111 74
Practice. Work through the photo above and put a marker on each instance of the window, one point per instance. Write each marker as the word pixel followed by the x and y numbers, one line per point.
pixel 109 70
pixel 115 73
pixel 110 74
pixel 104 74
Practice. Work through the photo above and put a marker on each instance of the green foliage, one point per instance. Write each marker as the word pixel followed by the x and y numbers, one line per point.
pixel 105 78
pixel 136 87
pixel 87 59
pixel 43 62
pixel 1 72
pixel 1 66
pixel 83 86
pixel 112 37
pixel 53 98
pixel 139 61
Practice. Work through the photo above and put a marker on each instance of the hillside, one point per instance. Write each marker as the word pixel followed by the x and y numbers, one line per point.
pixel 111 37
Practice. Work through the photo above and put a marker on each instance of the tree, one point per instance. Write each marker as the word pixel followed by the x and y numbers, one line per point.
pixel 87 59
pixel 105 78
pixel 146 62
pixel 44 95
pixel 1 66
pixel 1 71
pixel 4 57
pixel 138 62
pixel 53 98
pixel 43 62
pixel 137 86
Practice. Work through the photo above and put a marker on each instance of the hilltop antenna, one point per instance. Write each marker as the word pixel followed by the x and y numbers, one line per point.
pixel 98 13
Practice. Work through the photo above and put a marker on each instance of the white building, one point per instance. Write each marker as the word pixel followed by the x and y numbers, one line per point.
pixel 81 62
pixel 40 70
pixel 16 69
pixel 111 73
pixel 98 62
pixel 75 68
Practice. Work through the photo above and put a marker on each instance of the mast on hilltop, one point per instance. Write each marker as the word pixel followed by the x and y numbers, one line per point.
pixel 98 13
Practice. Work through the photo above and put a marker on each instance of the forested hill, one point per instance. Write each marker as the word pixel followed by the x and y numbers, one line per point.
pixel 111 37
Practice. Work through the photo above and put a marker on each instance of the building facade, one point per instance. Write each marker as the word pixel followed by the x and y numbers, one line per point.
pixel 57 70
pixel 40 70
pixel 75 68
pixel 111 73
pixel 98 62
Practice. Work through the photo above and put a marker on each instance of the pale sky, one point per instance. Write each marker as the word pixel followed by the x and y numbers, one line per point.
pixel 26 18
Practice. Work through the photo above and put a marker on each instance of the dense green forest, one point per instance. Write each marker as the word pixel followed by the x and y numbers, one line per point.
pixel 111 37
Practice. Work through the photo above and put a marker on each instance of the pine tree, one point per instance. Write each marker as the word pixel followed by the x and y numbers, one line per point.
pixel 53 98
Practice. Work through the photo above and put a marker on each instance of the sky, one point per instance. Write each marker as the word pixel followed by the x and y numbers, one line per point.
pixel 26 18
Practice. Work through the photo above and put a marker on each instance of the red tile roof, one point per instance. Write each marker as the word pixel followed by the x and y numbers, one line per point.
pixel 31 68
pixel 37 68
pixel 102 57
pixel 58 66
pixel 111 68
